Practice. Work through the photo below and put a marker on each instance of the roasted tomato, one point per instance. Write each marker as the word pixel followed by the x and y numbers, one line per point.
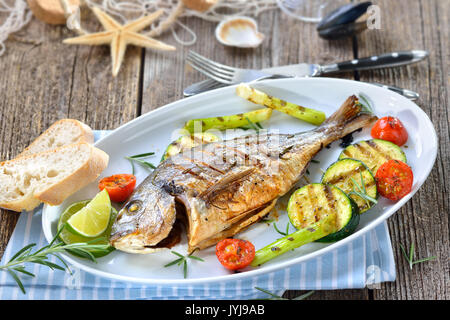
pixel 390 129
pixel 235 254
pixel 118 186
pixel 394 179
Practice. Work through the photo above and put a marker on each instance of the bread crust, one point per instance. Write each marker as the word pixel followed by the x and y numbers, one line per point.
pixel 56 193
pixel 87 135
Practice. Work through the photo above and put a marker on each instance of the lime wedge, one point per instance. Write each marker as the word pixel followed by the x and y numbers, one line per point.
pixel 93 219
pixel 68 237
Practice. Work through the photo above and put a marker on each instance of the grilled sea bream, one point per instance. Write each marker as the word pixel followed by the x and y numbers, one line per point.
pixel 221 188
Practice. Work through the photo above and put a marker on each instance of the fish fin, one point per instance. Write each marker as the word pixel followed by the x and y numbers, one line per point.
pixel 242 224
pixel 361 121
pixel 348 110
pixel 349 117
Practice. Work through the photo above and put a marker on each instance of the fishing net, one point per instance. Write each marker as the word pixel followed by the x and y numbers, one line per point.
pixel 15 14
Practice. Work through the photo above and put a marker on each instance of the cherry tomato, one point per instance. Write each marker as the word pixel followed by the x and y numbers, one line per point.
pixel 118 186
pixel 390 129
pixel 235 254
pixel 394 179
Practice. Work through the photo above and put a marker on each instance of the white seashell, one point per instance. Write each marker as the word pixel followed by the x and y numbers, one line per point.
pixel 239 32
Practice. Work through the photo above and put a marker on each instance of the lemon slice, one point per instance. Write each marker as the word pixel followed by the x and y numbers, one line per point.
pixel 93 219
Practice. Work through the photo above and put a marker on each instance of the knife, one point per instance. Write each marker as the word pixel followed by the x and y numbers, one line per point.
pixel 313 70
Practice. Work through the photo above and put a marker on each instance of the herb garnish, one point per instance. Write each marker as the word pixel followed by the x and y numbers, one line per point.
pixel 252 125
pixel 16 264
pixel 362 190
pixel 182 260
pixel 277 297
pixel 281 232
pixel 366 106
pixel 138 158
pixel 410 258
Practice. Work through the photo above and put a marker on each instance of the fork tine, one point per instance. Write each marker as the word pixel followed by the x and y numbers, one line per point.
pixel 211 67
pixel 208 73
pixel 211 62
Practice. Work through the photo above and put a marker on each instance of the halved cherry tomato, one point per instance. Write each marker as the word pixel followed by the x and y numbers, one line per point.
pixel 118 186
pixel 235 254
pixel 390 129
pixel 394 179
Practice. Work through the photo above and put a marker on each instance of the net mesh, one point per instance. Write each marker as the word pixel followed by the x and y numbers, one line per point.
pixel 15 14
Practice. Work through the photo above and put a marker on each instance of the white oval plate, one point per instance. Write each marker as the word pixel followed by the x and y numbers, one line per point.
pixel 154 131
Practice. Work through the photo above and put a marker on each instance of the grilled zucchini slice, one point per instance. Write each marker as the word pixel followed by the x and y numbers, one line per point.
pixel 316 201
pixel 353 175
pixel 373 153
pixel 188 142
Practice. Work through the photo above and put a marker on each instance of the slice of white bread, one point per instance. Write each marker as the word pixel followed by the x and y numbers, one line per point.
pixel 49 176
pixel 61 133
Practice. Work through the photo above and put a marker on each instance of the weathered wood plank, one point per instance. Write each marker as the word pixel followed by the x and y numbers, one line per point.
pixel 43 80
pixel 424 221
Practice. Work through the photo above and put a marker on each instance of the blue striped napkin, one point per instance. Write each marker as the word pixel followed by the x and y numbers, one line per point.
pixel 366 261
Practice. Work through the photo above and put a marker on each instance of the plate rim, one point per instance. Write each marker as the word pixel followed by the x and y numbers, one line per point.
pixel 270 268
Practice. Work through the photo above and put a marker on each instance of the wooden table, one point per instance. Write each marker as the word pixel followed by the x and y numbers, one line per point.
pixel 43 80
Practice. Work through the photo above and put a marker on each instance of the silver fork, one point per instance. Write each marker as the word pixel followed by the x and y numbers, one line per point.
pixel 223 73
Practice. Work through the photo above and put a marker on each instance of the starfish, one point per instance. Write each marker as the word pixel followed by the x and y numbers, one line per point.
pixel 120 36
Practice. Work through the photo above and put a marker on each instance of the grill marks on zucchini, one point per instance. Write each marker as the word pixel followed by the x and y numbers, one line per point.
pixel 373 153
pixel 331 200
pixel 344 173
pixel 315 202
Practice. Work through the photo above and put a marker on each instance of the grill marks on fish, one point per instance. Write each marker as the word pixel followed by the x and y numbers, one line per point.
pixel 225 182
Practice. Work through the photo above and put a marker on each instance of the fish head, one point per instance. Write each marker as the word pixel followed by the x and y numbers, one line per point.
pixel 144 220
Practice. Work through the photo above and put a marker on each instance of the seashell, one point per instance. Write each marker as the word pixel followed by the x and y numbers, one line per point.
pixel 239 32
pixel 345 21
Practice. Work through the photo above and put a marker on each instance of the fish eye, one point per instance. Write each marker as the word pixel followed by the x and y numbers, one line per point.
pixel 134 207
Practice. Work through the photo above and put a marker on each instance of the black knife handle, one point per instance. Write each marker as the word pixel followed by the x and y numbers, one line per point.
pixel 382 61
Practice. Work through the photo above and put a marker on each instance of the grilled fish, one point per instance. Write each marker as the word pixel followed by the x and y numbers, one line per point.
pixel 221 188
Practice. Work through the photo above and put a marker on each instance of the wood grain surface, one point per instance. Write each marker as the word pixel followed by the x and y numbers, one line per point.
pixel 42 80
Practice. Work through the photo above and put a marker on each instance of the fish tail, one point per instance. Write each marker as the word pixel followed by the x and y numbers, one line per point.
pixel 348 118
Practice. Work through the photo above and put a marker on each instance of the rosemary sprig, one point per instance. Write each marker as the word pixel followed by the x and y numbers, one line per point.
pixel 138 158
pixel 182 260
pixel 315 161
pixel 281 232
pixel 255 126
pixel 277 297
pixel 142 155
pixel 362 190
pixel 410 257
pixel 366 106
pixel 41 256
